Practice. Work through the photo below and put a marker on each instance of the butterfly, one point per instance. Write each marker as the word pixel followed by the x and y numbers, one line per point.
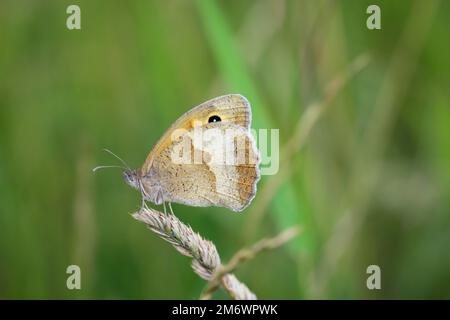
pixel 208 157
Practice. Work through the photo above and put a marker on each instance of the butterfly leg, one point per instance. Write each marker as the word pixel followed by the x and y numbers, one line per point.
pixel 170 207
pixel 165 210
pixel 144 204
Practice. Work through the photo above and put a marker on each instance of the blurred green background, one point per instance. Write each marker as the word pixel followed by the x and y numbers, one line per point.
pixel 369 182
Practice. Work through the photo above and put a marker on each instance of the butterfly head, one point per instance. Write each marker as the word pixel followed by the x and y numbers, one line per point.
pixel 131 177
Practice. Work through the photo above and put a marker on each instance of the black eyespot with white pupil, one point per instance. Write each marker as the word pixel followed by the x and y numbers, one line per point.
pixel 214 119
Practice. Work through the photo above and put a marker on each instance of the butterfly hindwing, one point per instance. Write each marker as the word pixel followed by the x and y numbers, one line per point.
pixel 212 174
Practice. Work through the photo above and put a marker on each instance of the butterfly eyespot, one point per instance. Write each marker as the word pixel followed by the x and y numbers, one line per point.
pixel 214 119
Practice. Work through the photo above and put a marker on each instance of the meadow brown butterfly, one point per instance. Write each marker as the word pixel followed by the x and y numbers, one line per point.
pixel 208 157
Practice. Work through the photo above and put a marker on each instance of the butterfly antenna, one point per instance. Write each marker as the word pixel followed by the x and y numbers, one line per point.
pixel 117 157
pixel 103 167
